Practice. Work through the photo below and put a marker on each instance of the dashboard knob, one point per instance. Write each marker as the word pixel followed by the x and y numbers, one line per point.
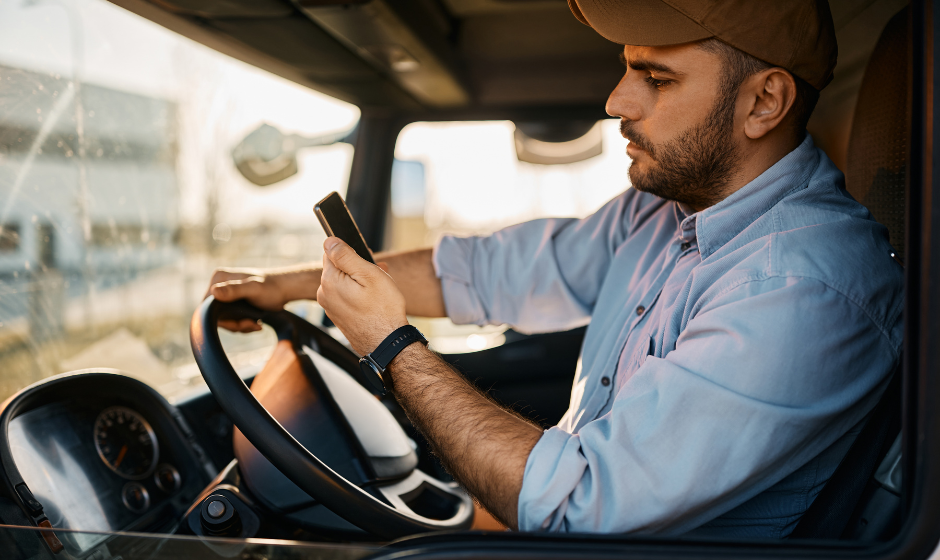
pixel 219 517
pixel 215 509
pixel 135 497
pixel 167 478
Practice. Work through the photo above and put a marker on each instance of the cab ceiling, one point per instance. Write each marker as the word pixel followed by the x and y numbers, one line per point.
pixel 408 55
pixel 445 55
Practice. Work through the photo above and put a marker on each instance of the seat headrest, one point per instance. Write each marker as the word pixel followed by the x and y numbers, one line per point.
pixel 880 137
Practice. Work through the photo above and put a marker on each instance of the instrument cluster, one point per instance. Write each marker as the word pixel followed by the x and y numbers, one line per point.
pixel 101 458
pixel 128 446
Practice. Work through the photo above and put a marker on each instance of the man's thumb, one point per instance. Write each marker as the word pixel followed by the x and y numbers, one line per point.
pixel 343 257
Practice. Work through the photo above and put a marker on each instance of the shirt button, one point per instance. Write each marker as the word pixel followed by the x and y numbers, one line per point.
pixel 685 246
pixel 605 381
pixel 640 310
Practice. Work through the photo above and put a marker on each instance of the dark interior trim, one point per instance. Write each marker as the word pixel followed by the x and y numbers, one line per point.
pixel 508 113
pixel 921 423
pixel 369 192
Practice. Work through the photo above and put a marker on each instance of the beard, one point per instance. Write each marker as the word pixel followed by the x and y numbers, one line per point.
pixel 694 168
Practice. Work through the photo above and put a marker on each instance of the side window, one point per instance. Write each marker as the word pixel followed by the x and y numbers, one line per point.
pixel 469 178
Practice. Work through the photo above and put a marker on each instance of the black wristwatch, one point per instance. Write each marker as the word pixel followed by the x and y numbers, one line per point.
pixel 373 365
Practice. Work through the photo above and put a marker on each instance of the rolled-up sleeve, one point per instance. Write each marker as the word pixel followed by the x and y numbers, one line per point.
pixel 538 276
pixel 756 387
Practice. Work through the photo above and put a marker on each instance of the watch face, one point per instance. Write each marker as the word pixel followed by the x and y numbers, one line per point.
pixel 372 375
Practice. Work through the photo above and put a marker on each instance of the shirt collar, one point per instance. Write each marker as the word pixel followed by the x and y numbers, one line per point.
pixel 719 224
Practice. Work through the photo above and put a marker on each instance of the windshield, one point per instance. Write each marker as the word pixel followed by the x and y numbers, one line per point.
pixel 119 192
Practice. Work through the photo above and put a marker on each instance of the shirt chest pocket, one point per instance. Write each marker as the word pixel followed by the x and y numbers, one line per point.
pixel 636 360
pixel 645 347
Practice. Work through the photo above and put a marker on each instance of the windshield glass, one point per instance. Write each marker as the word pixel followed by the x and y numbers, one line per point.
pixel 119 192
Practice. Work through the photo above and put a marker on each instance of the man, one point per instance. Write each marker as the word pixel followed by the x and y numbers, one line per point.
pixel 744 310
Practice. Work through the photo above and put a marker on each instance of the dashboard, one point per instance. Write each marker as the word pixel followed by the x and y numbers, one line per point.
pixel 99 452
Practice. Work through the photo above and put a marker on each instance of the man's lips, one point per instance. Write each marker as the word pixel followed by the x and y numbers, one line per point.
pixel 633 150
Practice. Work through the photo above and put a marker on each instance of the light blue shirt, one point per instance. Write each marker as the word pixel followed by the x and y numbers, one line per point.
pixel 731 354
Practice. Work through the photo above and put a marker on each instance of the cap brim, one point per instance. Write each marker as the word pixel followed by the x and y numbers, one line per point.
pixel 638 22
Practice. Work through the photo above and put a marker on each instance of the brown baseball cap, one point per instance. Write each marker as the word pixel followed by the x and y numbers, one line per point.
pixel 797 35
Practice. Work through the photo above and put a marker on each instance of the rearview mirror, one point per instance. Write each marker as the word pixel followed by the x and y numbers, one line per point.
pixel 557 142
pixel 267 155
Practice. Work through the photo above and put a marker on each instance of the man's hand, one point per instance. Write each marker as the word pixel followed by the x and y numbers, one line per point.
pixel 268 290
pixel 359 297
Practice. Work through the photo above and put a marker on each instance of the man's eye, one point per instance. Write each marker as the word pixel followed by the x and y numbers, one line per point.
pixel 658 84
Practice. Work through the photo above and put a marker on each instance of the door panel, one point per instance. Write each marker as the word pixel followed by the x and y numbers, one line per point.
pixel 530 374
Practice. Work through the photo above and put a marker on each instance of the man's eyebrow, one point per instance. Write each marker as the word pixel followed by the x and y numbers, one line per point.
pixel 646 65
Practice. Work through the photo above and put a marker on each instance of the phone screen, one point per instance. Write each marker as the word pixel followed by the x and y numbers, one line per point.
pixel 336 220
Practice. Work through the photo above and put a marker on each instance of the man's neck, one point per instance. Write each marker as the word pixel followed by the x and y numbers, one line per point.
pixel 757 157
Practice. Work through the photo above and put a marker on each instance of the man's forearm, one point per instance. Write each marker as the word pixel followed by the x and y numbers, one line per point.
pixel 413 272
pixel 482 445
pixel 297 282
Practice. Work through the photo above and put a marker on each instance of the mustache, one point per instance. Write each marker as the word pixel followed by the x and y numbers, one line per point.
pixel 636 137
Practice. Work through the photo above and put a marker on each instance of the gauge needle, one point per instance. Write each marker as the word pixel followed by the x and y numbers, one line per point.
pixel 120 457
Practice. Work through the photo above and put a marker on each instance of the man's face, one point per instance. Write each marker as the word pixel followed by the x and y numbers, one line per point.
pixel 678 114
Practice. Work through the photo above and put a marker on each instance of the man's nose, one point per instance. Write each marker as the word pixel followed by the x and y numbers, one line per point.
pixel 623 101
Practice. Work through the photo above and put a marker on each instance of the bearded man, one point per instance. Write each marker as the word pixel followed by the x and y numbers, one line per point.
pixel 744 311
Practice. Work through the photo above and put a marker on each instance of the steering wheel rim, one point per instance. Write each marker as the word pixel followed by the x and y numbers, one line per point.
pixel 276 444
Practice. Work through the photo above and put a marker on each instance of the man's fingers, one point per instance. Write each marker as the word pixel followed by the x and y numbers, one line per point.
pixel 224 275
pixel 240 325
pixel 236 289
pixel 330 272
pixel 248 325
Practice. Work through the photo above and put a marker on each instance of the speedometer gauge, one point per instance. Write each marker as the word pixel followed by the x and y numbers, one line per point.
pixel 126 442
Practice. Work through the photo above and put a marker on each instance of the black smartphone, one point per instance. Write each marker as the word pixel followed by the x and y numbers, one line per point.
pixel 336 220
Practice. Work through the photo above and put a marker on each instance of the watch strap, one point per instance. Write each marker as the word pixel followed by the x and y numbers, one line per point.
pixel 394 343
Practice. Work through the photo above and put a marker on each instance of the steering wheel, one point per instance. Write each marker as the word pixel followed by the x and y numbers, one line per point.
pixel 357 479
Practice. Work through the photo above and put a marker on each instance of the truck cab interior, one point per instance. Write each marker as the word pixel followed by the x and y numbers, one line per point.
pixel 280 449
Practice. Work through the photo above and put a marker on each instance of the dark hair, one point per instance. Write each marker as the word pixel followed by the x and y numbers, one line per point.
pixel 739 66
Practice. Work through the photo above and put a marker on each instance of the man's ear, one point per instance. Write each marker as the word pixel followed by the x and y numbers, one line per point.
pixel 770 94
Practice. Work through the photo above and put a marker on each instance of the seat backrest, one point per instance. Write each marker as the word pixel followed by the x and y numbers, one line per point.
pixel 876 177
pixel 879 142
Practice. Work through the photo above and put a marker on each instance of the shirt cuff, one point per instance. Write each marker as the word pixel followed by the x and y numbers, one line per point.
pixel 552 471
pixel 453 264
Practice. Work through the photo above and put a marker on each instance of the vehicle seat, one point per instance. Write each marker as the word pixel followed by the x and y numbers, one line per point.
pixel 879 142
pixel 862 498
